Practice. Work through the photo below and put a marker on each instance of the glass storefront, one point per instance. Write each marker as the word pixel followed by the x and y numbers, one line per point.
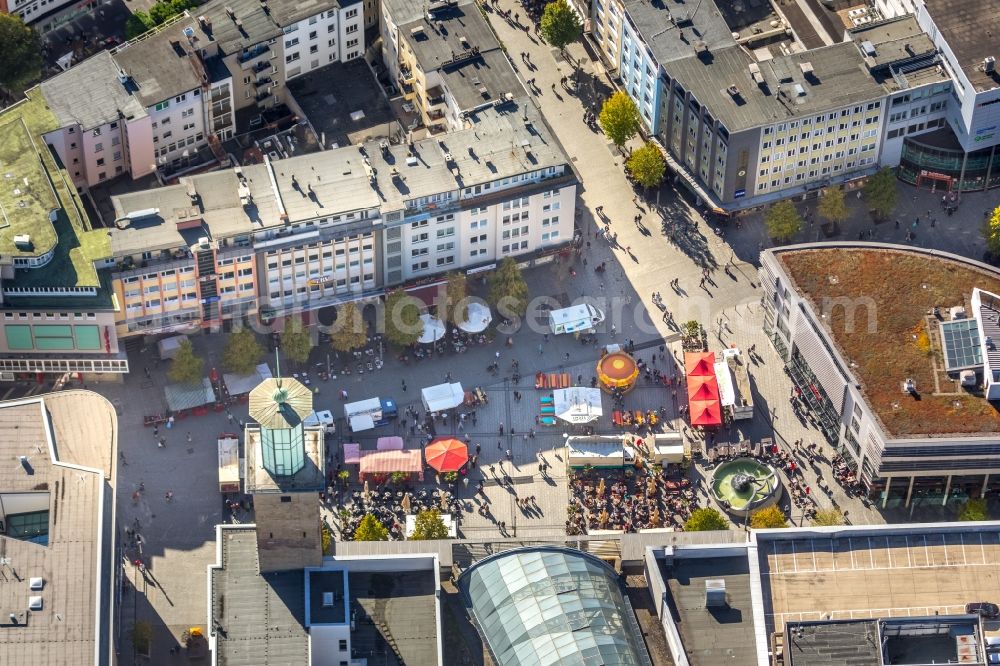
pixel 929 153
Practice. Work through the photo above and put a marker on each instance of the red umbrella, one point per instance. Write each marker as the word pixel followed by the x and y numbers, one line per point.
pixel 446 454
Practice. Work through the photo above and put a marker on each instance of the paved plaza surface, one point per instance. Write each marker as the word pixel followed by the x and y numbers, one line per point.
pixel 177 535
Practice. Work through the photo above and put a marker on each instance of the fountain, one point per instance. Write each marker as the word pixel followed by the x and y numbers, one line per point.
pixel 744 485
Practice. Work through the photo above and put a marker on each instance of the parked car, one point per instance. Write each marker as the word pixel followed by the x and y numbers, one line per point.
pixel 983 609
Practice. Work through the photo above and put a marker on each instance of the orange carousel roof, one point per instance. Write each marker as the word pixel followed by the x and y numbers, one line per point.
pixel 617 368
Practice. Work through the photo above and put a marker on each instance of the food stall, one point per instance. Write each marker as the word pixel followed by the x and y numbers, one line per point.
pixel 229 463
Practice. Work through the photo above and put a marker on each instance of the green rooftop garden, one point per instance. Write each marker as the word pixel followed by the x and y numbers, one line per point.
pixel 32 184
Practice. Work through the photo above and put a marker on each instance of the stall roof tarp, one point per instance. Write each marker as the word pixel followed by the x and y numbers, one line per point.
pixel 699 364
pixel 725 379
pixel 578 404
pixel 188 396
pixel 433 329
pixel 229 460
pixel 705 413
pixel 597 451
pixel 168 346
pixel 477 319
pixel 264 370
pixel 352 453
pixel 361 422
pixel 389 444
pixel 240 384
pixel 442 396
pixel 387 462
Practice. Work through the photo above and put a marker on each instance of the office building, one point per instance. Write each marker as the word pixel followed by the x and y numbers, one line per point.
pixel 296 235
pixel 905 388
pixel 57 501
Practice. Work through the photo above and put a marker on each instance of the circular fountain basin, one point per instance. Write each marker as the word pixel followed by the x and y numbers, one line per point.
pixel 744 485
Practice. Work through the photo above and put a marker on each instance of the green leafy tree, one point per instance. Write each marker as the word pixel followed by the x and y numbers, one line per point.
pixel 881 193
pixel 705 519
pixel 428 526
pixel 142 636
pixel 370 529
pixel 348 331
pixel 973 509
pixel 831 205
pixel 242 352
pixel 508 290
pixel 991 232
pixel 769 517
pixel 456 308
pixel 619 118
pixel 20 54
pixel 782 220
pixel 327 539
pixel 403 325
pixel 647 166
pixel 828 518
pixel 159 13
pixel 560 25
pixel 187 367
pixel 296 341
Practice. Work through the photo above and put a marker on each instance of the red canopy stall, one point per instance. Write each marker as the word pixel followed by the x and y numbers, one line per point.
pixel 703 389
pixel 383 463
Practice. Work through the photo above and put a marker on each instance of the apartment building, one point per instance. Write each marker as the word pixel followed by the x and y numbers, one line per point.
pixel 445 59
pixel 922 433
pixel 297 235
pixel 169 97
pixel 40 13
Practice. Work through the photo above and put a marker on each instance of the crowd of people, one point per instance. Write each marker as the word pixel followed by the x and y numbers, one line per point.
pixel 629 501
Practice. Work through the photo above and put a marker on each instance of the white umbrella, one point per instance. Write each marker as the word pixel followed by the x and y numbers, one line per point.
pixel 433 329
pixel 477 318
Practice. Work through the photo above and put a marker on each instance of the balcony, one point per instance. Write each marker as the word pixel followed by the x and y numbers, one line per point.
pixel 435 97
pixel 219 110
pixel 163 261
pixel 260 66
pixel 262 98
pixel 262 81
pixel 406 76
pixel 435 116
pixel 247 59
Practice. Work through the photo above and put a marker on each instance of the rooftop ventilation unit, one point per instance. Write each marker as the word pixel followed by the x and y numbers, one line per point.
pixel 417 31
pixel 700 47
pixel 755 74
pixel 35 603
pixel 328 600
pixel 989 64
pixel 799 90
pixel 464 41
pixel 22 241
pixel 36 583
pixel 715 592
pixel 733 91
pixel 868 48
pixel 807 68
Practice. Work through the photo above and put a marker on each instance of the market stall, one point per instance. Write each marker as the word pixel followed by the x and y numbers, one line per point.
pixel 229 463
pixel 599 451
pixel 477 318
pixel 703 389
pixel 239 385
pixel 578 404
pixel 433 329
pixel 352 453
pixel 617 371
pixel 389 444
pixel 182 398
pixel 442 396
pixel 383 463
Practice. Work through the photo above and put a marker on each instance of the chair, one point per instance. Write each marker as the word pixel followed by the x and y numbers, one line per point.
pixel 546 400
pixel 547 421
pixel 548 410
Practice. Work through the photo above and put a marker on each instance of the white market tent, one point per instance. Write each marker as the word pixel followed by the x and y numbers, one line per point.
pixel 442 396
pixel 578 404
pixel 168 347
pixel 241 384
pixel 433 329
pixel 601 451
pixel 229 464
pixel 360 422
pixel 477 319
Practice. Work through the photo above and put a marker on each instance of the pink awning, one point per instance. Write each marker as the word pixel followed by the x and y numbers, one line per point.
pixel 352 454
pixel 389 444
pixel 387 462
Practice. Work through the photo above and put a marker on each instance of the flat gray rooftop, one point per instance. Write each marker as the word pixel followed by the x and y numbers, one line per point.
pixel 260 618
pixel 713 636
pixel 839 79
pixel 71 491
pixel 396 608
pixel 481 80
pixel 972 30
pixel 90 94
pixel 675 40
pixel 162 65
pixel 844 643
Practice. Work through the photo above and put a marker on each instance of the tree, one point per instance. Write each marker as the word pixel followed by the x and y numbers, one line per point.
pixel 326 538
pixel 187 367
pixel 508 290
pixel 242 352
pixel 619 118
pixel 782 220
pixel 831 205
pixel 161 12
pixel 429 525
pixel 828 518
pixel 704 520
pixel 20 55
pixel 768 517
pixel 881 193
pixel 647 166
pixel 370 529
pixel 403 325
pixel 991 232
pixel 349 331
pixel 973 509
pixel 142 636
pixel 560 25
pixel 456 308
pixel 296 341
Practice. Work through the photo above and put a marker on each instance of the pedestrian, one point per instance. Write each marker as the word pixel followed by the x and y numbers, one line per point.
pixel 162 442
pixel 498 355
pixel 501 429
pixel 499 446
pixel 567 356
pixel 189 437
pixel 493 470
pixel 404 385
pixel 509 456
pixel 478 449
pixel 465 481
pixel 156 431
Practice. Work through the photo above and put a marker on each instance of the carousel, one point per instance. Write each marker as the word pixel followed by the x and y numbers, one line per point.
pixel 617 371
